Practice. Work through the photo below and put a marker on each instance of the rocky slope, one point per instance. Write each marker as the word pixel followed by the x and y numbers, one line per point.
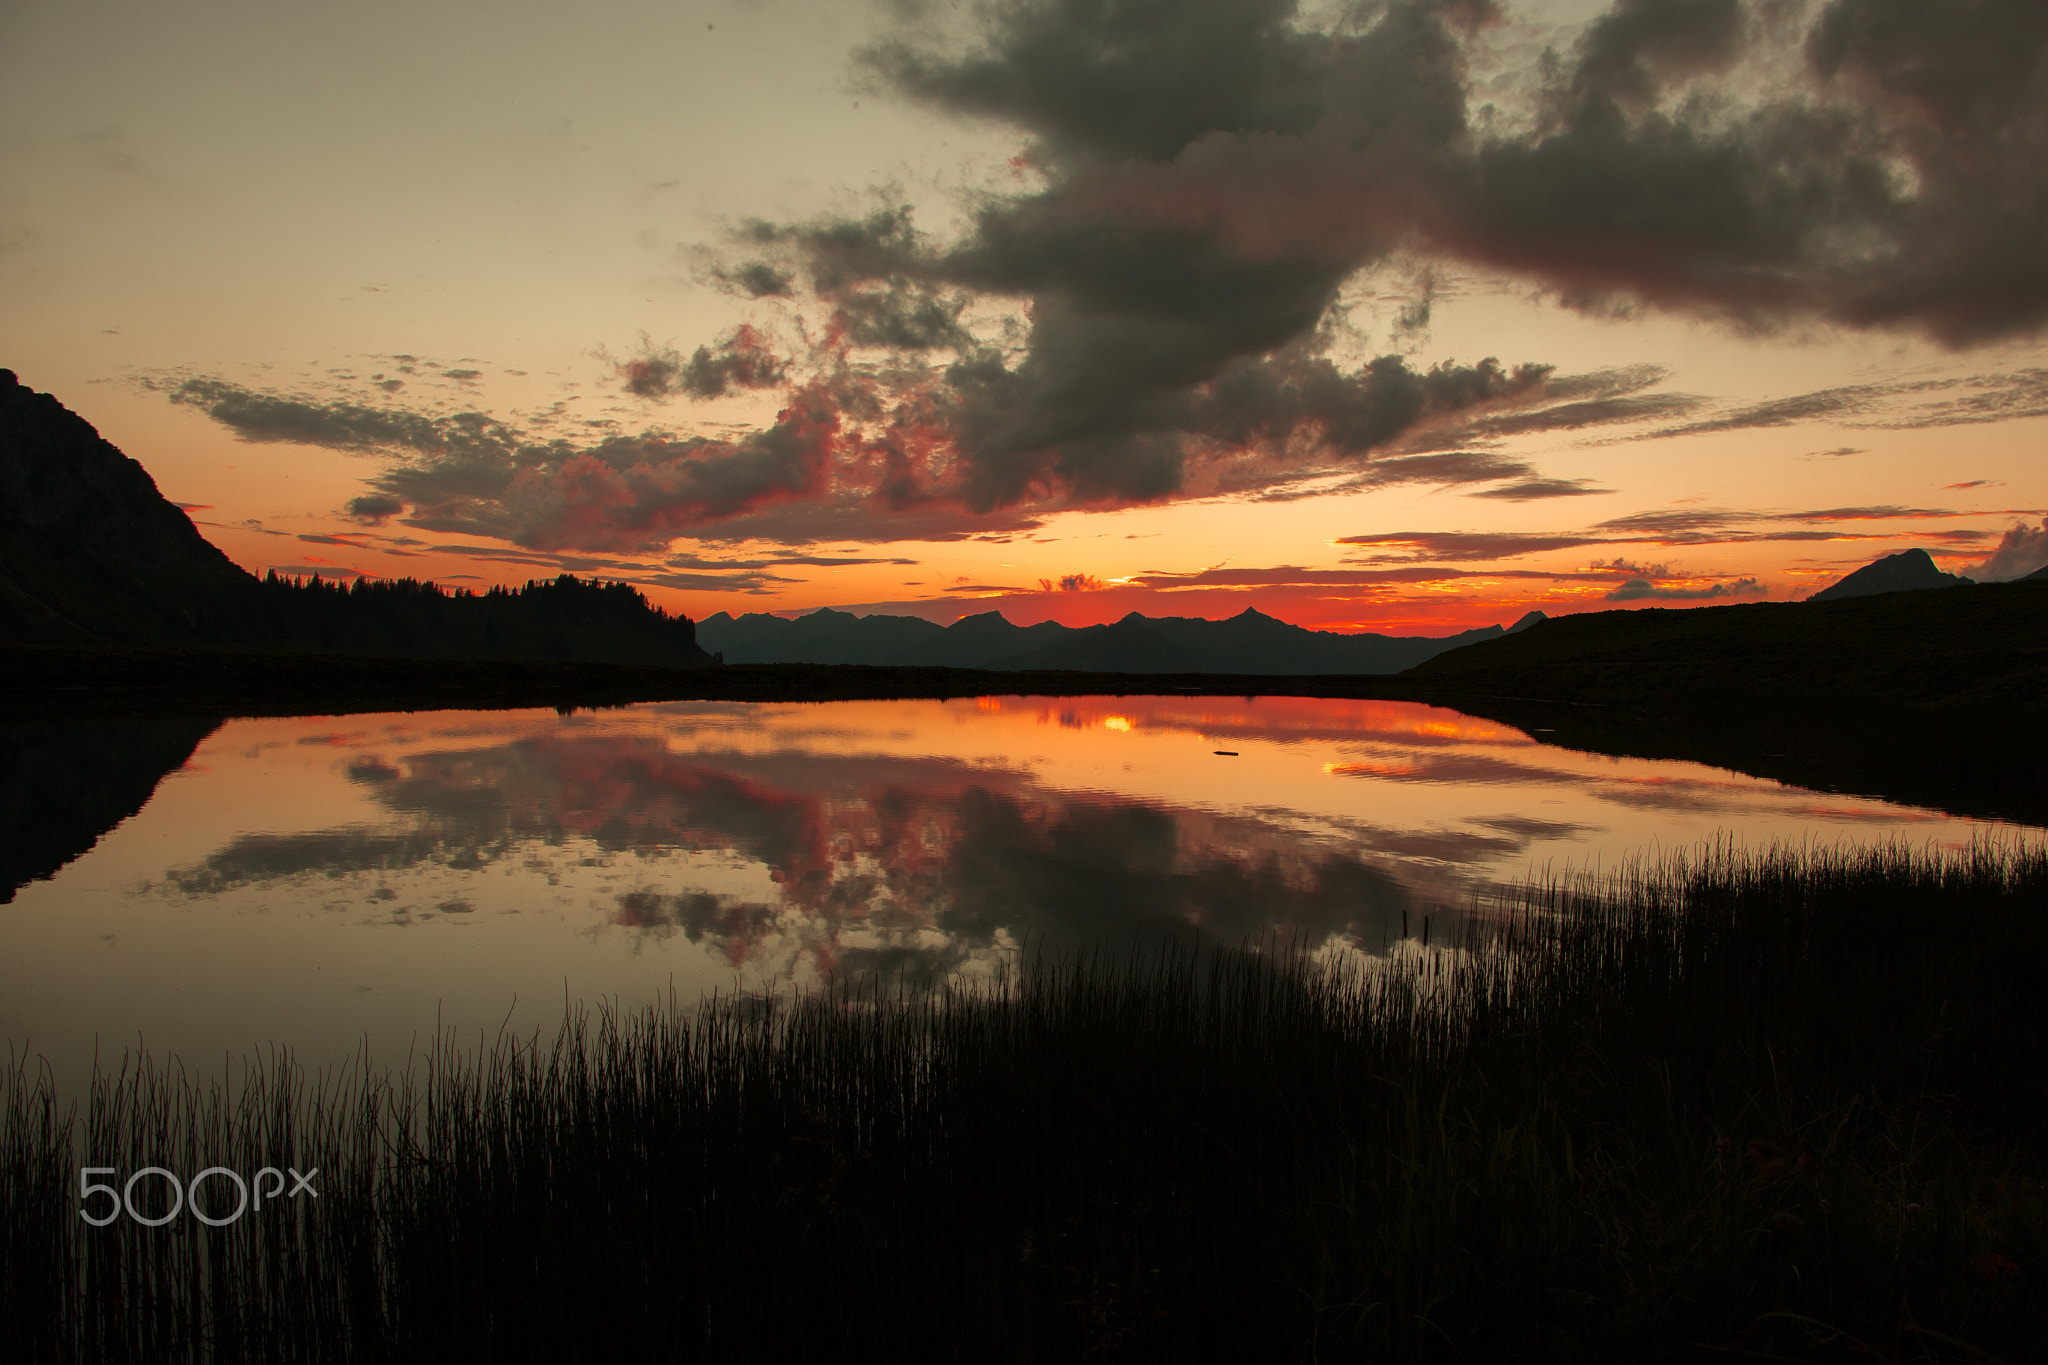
pixel 90 552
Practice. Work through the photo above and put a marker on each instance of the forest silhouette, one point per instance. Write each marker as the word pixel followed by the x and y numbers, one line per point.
pixel 567 618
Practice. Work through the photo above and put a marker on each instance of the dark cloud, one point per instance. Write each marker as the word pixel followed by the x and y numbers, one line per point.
pixel 1904 405
pixel 1893 176
pixel 1632 51
pixel 1532 490
pixel 741 360
pixel 1680 527
pixel 1449 545
pixel 373 509
pixel 1205 176
pixel 820 561
pixel 1288 575
pixel 1693 522
pixel 1638 589
pixel 466 472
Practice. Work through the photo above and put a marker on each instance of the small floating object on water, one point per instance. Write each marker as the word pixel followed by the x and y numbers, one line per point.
pixel 1225 753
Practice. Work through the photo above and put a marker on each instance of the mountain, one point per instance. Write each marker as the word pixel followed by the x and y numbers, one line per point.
pixel 1985 649
pixel 1132 645
pixel 92 555
pixel 2039 575
pixel 824 636
pixel 90 552
pixel 1250 642
pixel 1906 571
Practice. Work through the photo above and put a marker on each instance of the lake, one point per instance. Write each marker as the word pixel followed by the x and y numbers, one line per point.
pixel 321 882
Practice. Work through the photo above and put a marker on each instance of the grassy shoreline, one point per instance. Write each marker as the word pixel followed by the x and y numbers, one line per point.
pixel 1788 1105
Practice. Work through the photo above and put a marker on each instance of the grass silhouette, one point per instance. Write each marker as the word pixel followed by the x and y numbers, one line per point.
pixel 1779 1105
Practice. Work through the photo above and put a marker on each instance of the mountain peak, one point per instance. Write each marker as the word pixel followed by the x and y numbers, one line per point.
pixel 1906 571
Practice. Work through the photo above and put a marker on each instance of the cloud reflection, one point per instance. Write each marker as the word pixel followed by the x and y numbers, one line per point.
pixel 925 835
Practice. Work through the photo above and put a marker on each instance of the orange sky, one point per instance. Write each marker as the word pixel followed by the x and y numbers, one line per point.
pixel 278 256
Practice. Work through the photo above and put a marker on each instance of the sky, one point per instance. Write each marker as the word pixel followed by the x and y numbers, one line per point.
pixel 1408 316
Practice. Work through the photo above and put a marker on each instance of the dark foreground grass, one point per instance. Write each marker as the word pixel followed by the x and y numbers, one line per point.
pixel 1786 1106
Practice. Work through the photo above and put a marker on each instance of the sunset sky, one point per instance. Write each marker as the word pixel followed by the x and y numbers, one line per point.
pixel 1407 316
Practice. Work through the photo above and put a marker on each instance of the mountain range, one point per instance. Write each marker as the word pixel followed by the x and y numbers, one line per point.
pixel 1250 642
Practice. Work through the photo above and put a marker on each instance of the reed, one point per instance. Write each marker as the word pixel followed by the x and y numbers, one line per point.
pixel 1775 1105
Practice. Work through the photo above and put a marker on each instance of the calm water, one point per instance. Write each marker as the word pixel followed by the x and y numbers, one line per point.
pixel 315 881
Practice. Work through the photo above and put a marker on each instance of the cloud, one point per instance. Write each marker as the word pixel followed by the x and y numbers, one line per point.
pixel 1147 315
pixel 1288 575
pixel 1697 524
pixel 1680 527
pixel 467 472
pixel 373 509
pixel 1902 405
pixel 1637 589
pixel 820 561
pixel 1452 545
pixel 1866 163
pixel 740 360
pixel 1531 490
pixel 876 454
pixel 2021 550
pixel 1072 582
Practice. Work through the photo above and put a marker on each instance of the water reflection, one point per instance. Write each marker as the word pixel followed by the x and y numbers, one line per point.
pixel 65 783
pixel 308 881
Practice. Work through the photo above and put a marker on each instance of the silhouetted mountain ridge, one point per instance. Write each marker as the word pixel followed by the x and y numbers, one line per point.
pixel 1984 650
pixel 1249 643
pixel 91 554
pixel 1907 571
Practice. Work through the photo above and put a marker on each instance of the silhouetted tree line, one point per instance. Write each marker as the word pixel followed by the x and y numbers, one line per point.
pixel 562 618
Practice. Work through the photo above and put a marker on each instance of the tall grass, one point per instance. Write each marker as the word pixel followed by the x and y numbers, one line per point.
pixel 1783 1105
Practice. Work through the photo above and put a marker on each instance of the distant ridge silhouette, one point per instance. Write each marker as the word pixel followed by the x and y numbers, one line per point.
pixel 1906 571
pixel 1250 642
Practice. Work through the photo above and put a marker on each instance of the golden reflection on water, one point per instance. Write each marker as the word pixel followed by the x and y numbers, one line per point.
pixel 312 882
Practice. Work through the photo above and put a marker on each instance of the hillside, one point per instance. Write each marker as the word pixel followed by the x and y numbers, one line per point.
pixel 1983 648
pixel 90 552
pixel 92 555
